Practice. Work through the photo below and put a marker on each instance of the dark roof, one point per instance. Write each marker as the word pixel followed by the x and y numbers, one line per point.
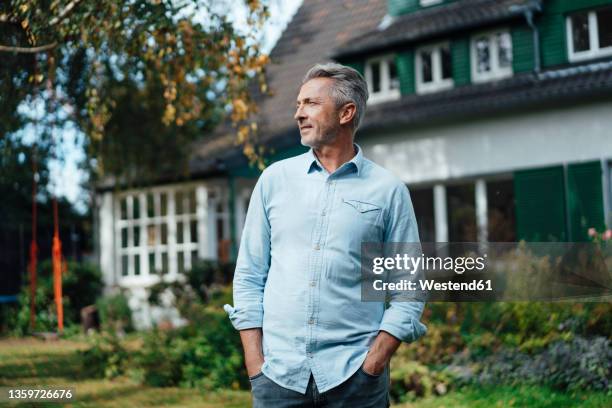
pixel 567 85
pixel 435 21
pixel 316 29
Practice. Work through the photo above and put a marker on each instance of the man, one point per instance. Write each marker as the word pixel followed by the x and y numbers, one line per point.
pixel 308 338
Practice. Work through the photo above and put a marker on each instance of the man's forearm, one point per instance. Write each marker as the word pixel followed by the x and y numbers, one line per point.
pixel 253 354
pixel 380 352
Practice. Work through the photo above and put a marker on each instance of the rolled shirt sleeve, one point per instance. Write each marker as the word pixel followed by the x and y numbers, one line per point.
pixel 252 264
pixel 402 318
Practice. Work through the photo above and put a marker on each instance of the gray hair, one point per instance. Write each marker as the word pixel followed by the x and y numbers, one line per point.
pixel 349 86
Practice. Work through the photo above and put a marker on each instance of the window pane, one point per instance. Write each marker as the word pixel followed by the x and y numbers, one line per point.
pixel 426 69
pixel 375 77
pixel 180 257
pixel 504 50
pixel 136 236
pixel 447 67
pixel 164 265
pixel 393 78
pixel 500 211
pixel 461 211
pixel 580 32
pixel 194 258
pixel 164 234
pixel 136 207
pixel 192 202
pixel 150 206
pixel 123 206
pixel 483 55
pixel 124 237
pixel 124 265
pixel 193 225
pixel 604 27
pixel 151 235
pixel 423 203
pixel 136 264
pixel 163 199
pixel 152 268
pixel 178 202
pixel 179 232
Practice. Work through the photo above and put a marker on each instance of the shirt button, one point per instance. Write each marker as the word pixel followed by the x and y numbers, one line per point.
pixel 311 321
pixel 317 247
pixel 313 283
pixel 323 213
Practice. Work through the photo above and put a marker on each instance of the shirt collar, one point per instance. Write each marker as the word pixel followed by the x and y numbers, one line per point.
pixel 313 163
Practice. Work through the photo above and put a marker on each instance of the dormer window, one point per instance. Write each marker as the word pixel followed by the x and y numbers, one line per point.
pixel 383 81
pixel 589 34
pixel 433 68
pixel 491 56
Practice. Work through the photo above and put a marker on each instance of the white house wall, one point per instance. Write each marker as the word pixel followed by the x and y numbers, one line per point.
pixel 495 145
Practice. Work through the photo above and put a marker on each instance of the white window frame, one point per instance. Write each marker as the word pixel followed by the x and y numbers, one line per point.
pixel 385 94
pixel 427 3
pixel 595 51
pixel 496 71
pixel 171 248
pixel 438 84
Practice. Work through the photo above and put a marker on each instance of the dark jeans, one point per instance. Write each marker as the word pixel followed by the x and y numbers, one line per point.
pixel 361 390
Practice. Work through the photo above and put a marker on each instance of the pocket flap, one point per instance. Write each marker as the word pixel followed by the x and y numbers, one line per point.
pixel 361 206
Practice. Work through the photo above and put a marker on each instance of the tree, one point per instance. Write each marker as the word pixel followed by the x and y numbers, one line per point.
pixel 142 79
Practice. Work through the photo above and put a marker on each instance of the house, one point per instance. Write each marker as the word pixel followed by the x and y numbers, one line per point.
pixel 496 113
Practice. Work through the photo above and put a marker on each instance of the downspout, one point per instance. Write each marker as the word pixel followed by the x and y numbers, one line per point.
pixel 528 11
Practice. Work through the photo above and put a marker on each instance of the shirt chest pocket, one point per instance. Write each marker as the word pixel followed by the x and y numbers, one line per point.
pixel 363 219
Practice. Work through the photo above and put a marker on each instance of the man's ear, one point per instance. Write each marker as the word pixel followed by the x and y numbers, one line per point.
pixel 347 113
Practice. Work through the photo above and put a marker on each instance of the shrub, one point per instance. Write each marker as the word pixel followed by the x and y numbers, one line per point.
pixel 411 380
pixel 106 358
pixel 115 312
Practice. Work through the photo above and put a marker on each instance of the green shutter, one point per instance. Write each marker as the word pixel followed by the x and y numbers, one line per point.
pixel 359 66
pixel 585 199
pixel 522 49
pixel 460 54
pixel 540 204
pixel 405 70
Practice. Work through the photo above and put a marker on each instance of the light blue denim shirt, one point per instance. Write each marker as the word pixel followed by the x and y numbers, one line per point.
pixel 298 273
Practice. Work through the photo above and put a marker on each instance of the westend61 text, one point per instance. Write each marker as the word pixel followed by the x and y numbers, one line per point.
pixel 429 285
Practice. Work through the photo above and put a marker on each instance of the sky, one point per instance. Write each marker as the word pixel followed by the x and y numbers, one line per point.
pixel 67 178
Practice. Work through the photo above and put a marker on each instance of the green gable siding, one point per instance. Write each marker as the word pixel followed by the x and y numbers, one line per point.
pixel 405 71
pixel 585 199
pixel 522 49
pixel 540 204
pixel 460 54
pixel 252 171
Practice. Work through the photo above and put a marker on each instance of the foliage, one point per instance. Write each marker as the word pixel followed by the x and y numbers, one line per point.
pixel 140 78
pixel 203 356
pixel 115 312
pixel 577 364
pixel 206 283
pixel 81 285
pixel 106 358
pixel 411 380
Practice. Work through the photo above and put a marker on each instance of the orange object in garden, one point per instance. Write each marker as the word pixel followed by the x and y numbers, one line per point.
pixel 33 249
pixel 57 270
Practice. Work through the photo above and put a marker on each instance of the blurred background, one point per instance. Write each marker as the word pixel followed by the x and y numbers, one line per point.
pixel 132 134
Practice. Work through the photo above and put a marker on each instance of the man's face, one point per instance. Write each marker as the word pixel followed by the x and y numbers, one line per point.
pixel 316 114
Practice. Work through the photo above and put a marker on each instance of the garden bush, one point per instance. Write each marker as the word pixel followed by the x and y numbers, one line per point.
pixel 115 313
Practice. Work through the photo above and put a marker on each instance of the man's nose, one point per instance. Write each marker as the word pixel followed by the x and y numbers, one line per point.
pixel 299 113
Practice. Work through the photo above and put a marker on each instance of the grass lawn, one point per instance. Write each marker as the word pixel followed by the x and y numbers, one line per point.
pixel 32 362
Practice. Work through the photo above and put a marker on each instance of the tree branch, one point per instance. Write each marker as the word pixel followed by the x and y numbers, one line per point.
pixel 64 12
pixel 28 50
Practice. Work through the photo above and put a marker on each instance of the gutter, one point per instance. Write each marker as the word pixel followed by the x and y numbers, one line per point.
pixel 528 10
